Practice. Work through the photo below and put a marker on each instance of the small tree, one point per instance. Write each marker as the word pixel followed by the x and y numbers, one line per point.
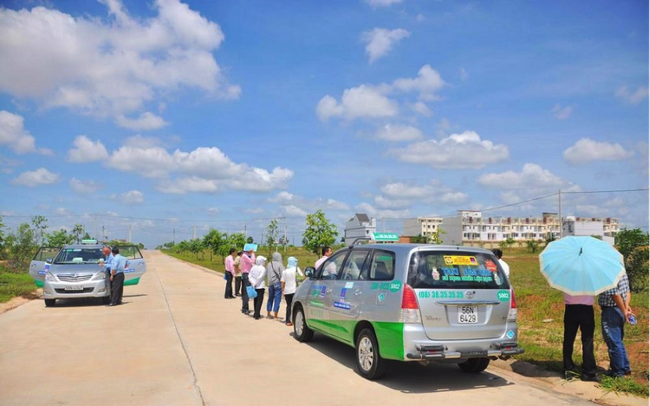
pixel 59 238
pixel 633 245
pixel 436 237
pixel 319 232
pixel 77 232
pixel 195 246
pixel 39 224
pixel 250 240
pixel 22 245
pixel 418 239
pixel 272 234
pixel 213 240
pixel 532 245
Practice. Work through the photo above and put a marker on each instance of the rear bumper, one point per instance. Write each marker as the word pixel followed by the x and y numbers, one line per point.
pixel 417 346
pixel 57 290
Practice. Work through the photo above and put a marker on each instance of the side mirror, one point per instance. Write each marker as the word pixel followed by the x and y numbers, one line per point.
pixel 48 260
pixel 310 271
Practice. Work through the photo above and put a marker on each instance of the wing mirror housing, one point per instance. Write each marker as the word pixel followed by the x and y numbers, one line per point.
pixel 49 260
pixel 310 272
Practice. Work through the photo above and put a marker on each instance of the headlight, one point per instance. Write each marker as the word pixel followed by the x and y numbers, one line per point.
pixel 50 277
pixel 99 275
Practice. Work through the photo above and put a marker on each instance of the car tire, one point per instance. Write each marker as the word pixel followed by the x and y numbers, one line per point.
pixel 106 300
pixel 369 363
pixel 474 365
pixel 50 302
pixel 301 331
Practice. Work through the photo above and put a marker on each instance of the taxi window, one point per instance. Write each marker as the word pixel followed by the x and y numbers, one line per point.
pixel 382 266
pixel 130 252
pixel 332 266
pixel 354 264
pixel 455 270
pixel 79 256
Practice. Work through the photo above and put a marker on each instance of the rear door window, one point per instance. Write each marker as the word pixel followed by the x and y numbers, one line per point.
pixel 382 266
pixel 455 270
pixel 354 264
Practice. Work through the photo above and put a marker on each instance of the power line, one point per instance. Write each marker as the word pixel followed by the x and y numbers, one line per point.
pixel 605 191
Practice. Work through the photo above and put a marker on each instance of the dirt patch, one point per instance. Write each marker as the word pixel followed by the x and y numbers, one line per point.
pixel 19 301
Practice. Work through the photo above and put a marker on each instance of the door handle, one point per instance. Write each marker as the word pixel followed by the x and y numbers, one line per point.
pixel 357 293
pixel 329 291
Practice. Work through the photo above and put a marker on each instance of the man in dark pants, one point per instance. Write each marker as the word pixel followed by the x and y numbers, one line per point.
pixel 229 273
pixel 117 277
pixel 579 313
pixel 106 263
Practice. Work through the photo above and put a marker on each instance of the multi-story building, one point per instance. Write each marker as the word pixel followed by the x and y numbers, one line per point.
pixel 424 226
pixel 469 227
pixel 359 226
pixel 604 228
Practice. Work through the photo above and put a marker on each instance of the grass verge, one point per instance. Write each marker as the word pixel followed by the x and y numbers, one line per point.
pixel 14 284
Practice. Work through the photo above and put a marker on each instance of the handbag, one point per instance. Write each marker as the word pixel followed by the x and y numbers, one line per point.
pixel 251 292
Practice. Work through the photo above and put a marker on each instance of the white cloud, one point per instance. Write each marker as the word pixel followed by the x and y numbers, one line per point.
pixel 86 150
pixel 587 150
pixel 532 177
pixel 379 41
pixel 368 101
pixel 294 211
pixel 640 94
pixel 146 121
pixel 85 187
pixel 109 67
pixel 213 211
pixel 458 151
pixel 41 176
pixel 562 113
pixel 463 74
pixel 426 83
pixel 205 170
pixel 14 135
pixel 421 108
pixel 377 213
pixel 383 3
pixel 385 203
pixel 398 133
pixel 292 202
pixel 433 192
pixel 357 102
pixel 130 198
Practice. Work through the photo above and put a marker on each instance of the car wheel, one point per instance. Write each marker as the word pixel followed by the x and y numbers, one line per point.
pixel 106 300
pixel 50 302
pixel 474 365
pixel 301 332
pixel 369 363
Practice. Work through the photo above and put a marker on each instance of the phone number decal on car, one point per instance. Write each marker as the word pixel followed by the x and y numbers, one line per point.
pixel 437 294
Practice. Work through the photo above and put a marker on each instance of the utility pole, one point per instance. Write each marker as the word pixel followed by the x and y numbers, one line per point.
pixel 130 228
pixel 194 233
pixel 383 221
pixel 174 238
pixel 95 228
pixel 559 202
pixel 103 234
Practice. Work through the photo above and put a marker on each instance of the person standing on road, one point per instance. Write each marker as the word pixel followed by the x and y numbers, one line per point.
pixel 289 284
pixel 237 265
pixel 256 278
pixel 247 261
pixel 615 305
pixel 274 270
pixel 579 313
pixel 117 277
pixel 327 252
pixel 106 264
pixel 229 273
pixel 506 268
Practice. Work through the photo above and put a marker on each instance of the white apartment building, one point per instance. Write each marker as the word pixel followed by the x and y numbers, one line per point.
pixel 605 228
pixel 359 226
pixel 424 226
pixel 469 227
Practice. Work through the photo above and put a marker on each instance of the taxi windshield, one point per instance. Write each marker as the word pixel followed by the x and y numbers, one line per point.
pixel 455 270
pixel 79 256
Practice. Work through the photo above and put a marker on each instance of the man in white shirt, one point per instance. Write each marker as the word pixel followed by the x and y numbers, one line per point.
pixel 289 285
pixel 327 252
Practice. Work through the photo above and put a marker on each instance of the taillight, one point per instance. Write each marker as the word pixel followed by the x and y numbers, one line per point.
pixel 409 301
pixel 512 314
pixel 410 312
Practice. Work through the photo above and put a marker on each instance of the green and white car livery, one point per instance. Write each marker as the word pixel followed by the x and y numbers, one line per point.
pixel 411 302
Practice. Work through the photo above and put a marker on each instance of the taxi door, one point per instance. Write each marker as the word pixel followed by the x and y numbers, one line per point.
pixel 37 265
pixel 135 265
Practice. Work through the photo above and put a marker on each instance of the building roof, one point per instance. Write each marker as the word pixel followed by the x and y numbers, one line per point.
pixel 362 217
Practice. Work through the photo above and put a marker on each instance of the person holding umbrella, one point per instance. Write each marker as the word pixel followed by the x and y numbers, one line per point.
pixel 615 306
pixel 583 267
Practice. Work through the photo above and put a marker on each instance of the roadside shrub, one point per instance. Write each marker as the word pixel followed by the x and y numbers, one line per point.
pixel 637 269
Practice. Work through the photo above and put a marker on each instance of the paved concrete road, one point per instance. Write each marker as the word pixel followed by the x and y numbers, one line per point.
pixel 176 341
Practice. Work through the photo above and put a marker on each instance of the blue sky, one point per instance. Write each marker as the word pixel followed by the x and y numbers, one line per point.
pixel 163 116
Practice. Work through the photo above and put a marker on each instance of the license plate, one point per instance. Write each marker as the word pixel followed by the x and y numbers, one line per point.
pixel 467 314
pixel 74 288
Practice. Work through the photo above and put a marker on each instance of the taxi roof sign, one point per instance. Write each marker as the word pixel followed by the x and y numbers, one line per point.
pixel 389 237
pixel 89 241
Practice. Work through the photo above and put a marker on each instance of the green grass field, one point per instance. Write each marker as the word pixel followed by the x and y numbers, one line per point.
pixel 15 284
pixel 540 311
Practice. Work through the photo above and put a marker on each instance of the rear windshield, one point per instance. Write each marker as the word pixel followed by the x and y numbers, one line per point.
pixel 455 270
pixel 79 256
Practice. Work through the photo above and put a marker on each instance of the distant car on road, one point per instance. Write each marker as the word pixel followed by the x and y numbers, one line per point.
pixel 411 302
pixel 73 272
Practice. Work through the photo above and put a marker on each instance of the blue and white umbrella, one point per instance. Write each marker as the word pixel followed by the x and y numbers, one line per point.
pixel 581 265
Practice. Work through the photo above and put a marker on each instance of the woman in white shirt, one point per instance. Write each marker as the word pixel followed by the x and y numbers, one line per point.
pixel 289 285
pixel 257 277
